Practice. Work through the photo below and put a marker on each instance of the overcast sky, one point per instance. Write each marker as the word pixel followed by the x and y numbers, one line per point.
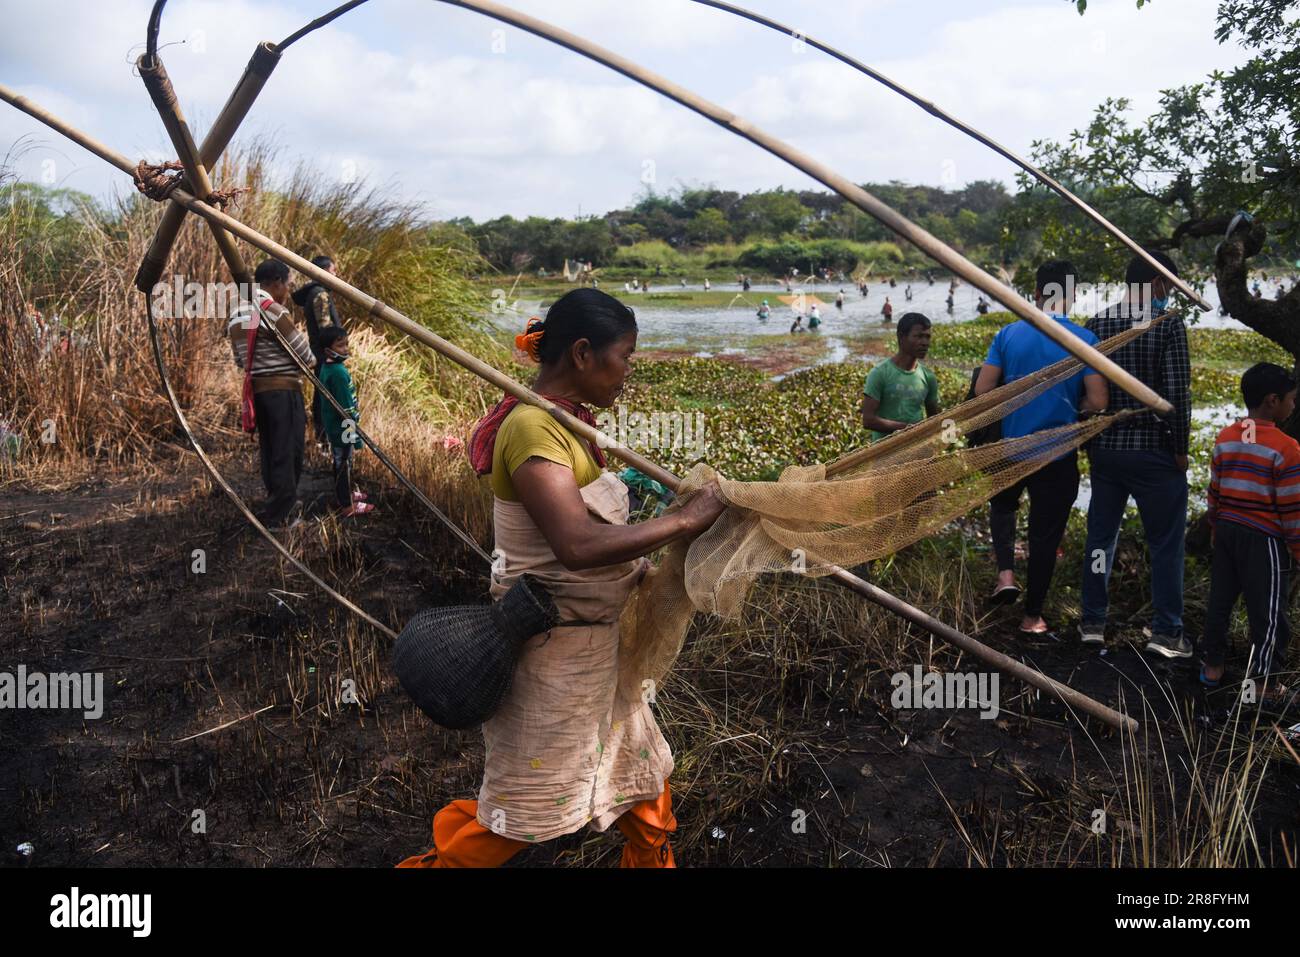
pixel 474 118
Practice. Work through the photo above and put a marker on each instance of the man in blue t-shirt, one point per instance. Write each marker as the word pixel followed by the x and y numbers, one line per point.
pixel 1018 350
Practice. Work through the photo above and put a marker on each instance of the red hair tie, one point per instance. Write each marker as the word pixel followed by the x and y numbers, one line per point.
pixel 531 338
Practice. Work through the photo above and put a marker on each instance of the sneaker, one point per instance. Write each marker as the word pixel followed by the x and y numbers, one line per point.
pixel 1092 634
pixel 1171 646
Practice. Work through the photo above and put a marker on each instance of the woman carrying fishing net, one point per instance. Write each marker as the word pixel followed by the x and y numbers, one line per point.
pixel 571 744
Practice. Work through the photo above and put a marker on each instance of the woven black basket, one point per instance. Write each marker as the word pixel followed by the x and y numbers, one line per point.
pixel 456 663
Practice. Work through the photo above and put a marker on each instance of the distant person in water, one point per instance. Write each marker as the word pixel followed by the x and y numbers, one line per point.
pixel 907 294
pixel 950 303
pixel 901 391
pixel 814 317
pixel 797 325
pixel 764 311
pixel 887 310
pixel 745 283
pixel 839 299
pixel 706 285
pixel 982 307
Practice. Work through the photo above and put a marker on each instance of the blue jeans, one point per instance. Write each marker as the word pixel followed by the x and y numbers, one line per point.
pixel 1159 488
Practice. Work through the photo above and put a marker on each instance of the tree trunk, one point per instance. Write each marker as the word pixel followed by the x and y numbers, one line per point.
pixel 1275 319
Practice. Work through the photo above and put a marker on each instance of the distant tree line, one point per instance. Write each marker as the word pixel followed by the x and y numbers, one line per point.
pixel 767 228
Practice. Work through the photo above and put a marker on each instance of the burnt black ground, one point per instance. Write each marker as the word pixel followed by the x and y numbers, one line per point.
pixel 96 578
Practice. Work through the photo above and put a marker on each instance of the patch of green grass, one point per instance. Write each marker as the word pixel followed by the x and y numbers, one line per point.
pixel 1215 386
pixel 967 342
pixel 697 379
pixel 1235 348
pixel 745 303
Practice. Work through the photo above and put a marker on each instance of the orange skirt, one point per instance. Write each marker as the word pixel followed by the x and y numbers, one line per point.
pixel 459 840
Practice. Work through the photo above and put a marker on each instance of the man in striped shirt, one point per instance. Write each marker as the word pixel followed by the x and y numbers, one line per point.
pixel 277 389
pixel 1254 511
pixel 1144 457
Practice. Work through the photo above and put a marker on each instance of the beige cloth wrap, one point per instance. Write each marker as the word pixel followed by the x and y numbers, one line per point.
pixel 569 744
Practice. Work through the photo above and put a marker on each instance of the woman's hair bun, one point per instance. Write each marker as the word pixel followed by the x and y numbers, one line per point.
pixel 530 340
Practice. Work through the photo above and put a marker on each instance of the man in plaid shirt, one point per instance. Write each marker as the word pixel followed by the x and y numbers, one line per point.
pixel 1144 457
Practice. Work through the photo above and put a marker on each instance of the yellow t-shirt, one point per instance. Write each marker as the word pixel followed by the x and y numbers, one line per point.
pixel 529 431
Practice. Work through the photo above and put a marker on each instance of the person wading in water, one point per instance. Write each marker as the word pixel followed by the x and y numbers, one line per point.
pixel 568 747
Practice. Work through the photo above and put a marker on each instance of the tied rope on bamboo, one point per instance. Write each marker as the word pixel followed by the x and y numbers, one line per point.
pixel 154 181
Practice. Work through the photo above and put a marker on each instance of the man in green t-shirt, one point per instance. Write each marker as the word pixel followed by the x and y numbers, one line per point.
pixel 900 390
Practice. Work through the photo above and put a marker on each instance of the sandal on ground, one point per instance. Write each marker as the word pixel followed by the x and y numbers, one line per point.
pixel 1047 634
pixel 1005 595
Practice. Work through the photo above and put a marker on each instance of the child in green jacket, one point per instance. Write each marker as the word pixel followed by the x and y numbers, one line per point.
pixel 341 432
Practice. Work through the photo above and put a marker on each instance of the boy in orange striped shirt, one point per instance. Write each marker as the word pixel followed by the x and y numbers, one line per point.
pixel 1254 511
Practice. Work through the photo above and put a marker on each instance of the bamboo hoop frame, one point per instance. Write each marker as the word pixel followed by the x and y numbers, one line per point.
pixel 378 309
pixel 159 84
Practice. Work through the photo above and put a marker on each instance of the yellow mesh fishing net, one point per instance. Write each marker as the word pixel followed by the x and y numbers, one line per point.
pixel 867 504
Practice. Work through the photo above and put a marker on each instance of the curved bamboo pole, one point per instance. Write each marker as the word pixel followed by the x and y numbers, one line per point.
pixel 229 489
pixel 927 105
pixel 937 250
pixel 930 245
pixel 974 134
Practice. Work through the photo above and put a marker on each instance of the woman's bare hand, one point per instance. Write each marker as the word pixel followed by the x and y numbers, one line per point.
pixel 703 508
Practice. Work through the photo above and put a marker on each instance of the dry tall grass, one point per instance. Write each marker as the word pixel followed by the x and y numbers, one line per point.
pixel 94 387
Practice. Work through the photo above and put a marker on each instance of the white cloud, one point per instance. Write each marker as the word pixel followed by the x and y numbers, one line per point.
pixel 410 92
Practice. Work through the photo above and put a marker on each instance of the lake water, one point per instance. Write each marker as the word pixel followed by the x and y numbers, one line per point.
pixel 665 325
